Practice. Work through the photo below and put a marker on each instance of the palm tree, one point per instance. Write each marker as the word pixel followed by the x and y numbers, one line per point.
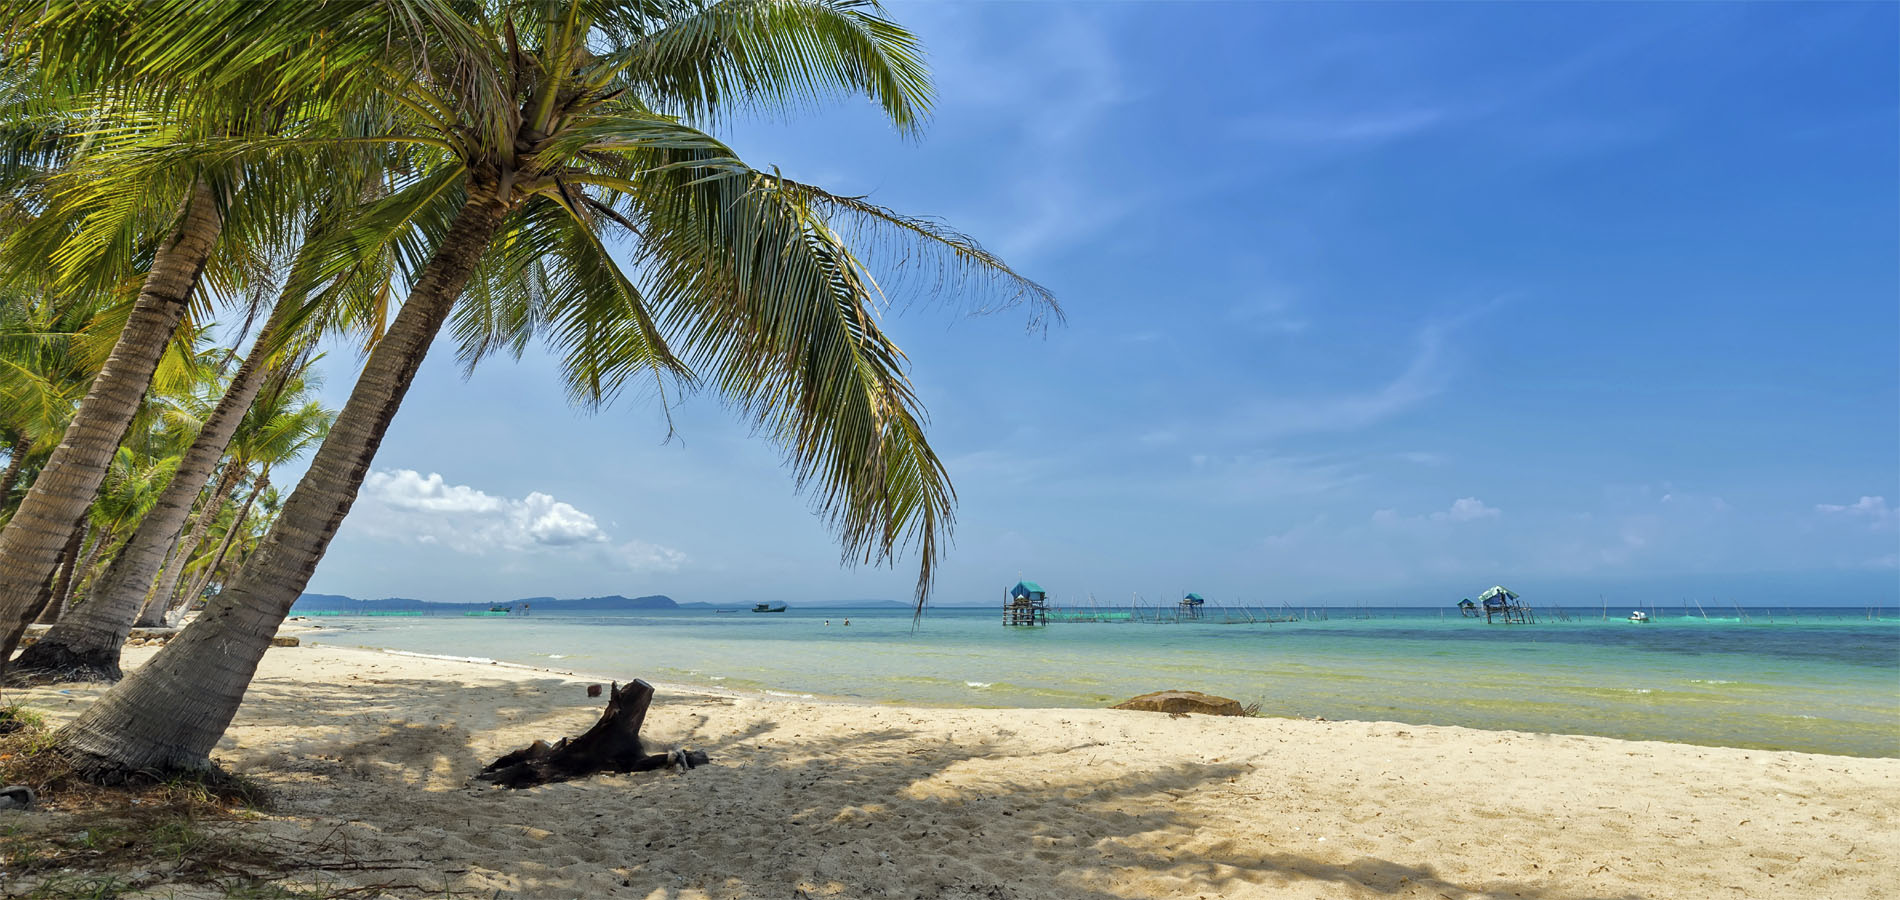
pixel 240 523
pixel 540 127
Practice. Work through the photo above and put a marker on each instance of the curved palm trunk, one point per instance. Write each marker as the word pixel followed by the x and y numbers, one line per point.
pixel 32 540
pixel 171 712
pixel 86 647
pixel 159 598
pixel 224 546
pixel 43 598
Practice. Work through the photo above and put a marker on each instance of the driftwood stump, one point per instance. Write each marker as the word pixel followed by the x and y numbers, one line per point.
pixel 612 745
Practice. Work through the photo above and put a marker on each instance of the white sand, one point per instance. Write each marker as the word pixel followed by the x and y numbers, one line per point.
pixel 373 752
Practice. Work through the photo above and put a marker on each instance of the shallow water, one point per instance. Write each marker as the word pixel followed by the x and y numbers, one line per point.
pixel 1817 680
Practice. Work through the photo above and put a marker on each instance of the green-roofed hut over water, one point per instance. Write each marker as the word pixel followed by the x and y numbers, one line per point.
pixel 1191 605
pixel 1025 604
pixel 1501 604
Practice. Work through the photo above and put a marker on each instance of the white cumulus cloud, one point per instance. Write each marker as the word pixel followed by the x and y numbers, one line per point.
pixel 1464 509
pixel 403 504
pixel 1467 509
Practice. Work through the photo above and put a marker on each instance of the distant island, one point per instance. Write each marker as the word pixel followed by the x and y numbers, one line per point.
pixel 316 603
pixel 334 603
pixel 809 604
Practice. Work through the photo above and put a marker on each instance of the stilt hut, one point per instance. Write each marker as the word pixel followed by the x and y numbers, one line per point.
pixel 1025 604
pixel 1500 604
pixel 1191 605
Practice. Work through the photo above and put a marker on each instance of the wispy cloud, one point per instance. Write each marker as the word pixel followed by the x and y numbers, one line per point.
pixel 1424 376
pixel 1872 510
pixel 1331 129
pixel 1270 313
pixel 1464 509
pixel 1056 86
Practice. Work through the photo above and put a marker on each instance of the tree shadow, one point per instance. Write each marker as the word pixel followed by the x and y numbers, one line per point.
pixel 801 800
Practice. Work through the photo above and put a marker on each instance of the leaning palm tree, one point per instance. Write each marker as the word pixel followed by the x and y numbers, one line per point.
pixel 541 129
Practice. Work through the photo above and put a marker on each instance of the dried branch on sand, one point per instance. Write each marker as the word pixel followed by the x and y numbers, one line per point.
pixel 612 745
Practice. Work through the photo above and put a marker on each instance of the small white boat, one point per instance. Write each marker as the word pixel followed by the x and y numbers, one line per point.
pixel 1639 616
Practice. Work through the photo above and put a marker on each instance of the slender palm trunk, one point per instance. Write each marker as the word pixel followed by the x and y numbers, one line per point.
pixel 16 457
pixel 86 648
pixel 82 576
pixel 160 596
pixel 32 540
pixel 224 546
pixel 63 582
pixel 172 711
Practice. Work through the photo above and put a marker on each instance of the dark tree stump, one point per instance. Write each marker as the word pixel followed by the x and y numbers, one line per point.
pixel 612 745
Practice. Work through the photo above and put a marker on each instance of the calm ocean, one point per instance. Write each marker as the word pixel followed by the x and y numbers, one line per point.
pixel 1819 680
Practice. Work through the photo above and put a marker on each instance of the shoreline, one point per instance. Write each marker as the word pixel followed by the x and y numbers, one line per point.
pixel 846 801
pixel 1803 690
pixel 306 630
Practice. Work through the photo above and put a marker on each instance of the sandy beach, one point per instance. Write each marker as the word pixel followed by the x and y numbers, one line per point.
pixel 369 756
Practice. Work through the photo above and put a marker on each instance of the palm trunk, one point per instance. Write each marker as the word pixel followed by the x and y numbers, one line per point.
pixel 43 598
pixel 31 542
pixel 224 546
pixel 160 596
pixel 171 712
pixel 82 581
pixel 87 648
pixel 16 457
pixel 63 582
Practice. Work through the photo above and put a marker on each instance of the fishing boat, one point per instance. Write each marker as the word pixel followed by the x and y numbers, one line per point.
pixel 1639 616
pixel 496 610
pixel 769 607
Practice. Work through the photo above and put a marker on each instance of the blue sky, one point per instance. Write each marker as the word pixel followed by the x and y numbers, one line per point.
pixel 1380 303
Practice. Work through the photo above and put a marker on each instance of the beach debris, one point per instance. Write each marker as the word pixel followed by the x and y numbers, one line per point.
pixel 612 745
pixel 17 796
pixel 1183 702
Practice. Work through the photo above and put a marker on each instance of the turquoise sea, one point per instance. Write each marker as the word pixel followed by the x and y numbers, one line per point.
pixel 1812 679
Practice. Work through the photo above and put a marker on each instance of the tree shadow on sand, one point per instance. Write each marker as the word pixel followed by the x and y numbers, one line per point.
pixel 793 805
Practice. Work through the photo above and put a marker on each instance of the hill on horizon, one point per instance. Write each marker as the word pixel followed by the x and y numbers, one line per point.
pixel 309 603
